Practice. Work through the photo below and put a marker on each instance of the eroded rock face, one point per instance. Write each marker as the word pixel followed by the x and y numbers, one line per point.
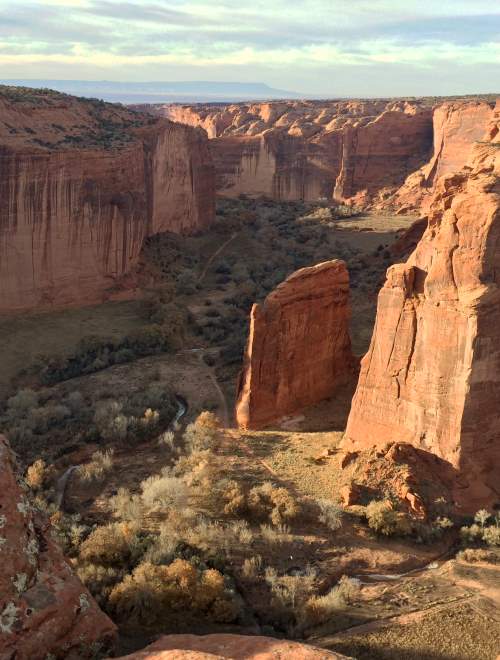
pixel 350 150
pixel 431 377
pixel 230 647
pixel 45 611
pixel 457 127
pixel 298 348
pixel 81 186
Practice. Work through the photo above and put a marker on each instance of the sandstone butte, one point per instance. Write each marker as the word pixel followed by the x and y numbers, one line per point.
pixel 45 611
pixel 82 184
pixel 299 349
pixel 230 647
pixel 431 376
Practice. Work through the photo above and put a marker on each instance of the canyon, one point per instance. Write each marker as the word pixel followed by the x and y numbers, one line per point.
pixel 82 184
pixel 372 154
pixel 299 349
pixel 430 377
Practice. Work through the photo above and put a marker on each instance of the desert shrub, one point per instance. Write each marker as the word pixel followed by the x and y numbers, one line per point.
pixel 478 554
pixel 275 535
pixel 42 419
pixel 491 535
pixel 231 495
pixel 167 440
pixel 319 609
pixel 482 517
pixel 277 504
pixel 186 283
pixel 251 566
pixel 37 475
pixel 75 402
pixel 202 434
pixel 330 514
pixel 110 421
pixel 164 492
pixel 127 507
pixel 113 544
pixel 19 405
pixel 152 593
pixel 471 534
pixel 99 580
pixel 99 466
pixel 68 530
pixel 385 521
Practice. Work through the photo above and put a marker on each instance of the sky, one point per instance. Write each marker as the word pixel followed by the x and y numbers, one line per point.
pixel 327 47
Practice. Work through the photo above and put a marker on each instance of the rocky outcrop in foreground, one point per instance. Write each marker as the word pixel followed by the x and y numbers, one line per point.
pixel 298 349
pixel 348 150
pixel 230 647
pixel 45 611
pixel 431 377
pixel 82 184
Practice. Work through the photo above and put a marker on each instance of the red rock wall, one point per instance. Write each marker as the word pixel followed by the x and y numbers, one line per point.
pixel 298 348
pixel 432 374
pixel 73 221
pixel 311 150
pixel 45 611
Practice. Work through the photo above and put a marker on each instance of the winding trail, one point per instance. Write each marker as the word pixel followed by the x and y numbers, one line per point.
pixel 215 255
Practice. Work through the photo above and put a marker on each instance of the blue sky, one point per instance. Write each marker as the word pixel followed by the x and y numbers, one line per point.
pixel 337 47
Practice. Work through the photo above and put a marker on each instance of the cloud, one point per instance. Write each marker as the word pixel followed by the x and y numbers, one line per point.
pixel 157 37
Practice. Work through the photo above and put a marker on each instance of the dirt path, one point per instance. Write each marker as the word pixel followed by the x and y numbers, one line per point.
pixel 215 255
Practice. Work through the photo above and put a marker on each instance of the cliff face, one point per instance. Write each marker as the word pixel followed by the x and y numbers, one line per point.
pixel 431 375
pixel 350 150
pixel 44 609
pixel 457 127
pixel 81 186
pixel 298 348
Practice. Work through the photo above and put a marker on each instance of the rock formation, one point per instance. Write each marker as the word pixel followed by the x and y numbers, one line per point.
pixel 45 611
pixel 82 183
pixel 431 377
pixel 350 150
pixel 298 348
pixel 457 127
pixel 230 647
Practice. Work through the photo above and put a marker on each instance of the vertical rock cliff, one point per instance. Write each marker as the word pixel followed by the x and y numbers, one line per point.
pixel 45 611
pixel 432 374
pixel 81 185
pixel 298 348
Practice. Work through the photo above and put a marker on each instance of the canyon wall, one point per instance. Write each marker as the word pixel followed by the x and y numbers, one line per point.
pixel 81 186
pixel 432 374
pixel 298 349
pixel 45 611
pixel 311 150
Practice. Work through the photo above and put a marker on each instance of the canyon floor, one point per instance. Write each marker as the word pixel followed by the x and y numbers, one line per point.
pixel 416 600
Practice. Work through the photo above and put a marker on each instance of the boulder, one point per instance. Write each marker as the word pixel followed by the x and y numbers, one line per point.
pixel 45 611
pixel 230 647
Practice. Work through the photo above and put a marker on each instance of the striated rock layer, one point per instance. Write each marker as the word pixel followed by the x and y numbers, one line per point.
pixel 230 647
pixel 432 374
pixel 298 349
pixel 347 150
pixel 82 184
pixel 45 611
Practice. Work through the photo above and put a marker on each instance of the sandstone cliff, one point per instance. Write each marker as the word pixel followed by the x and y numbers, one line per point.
pixel 350 150
pixel 45 611
pixel 431 375
pixel 457 128
pixel 82 184
pixel 298 348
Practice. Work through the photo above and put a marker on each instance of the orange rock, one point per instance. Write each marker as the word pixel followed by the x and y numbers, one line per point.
pixel 44 609
pixel 430 377
pixel 306 149
pixel 73 214
pixel 230 647
pixel 347 457
pixel 350 494
pixel 298 349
